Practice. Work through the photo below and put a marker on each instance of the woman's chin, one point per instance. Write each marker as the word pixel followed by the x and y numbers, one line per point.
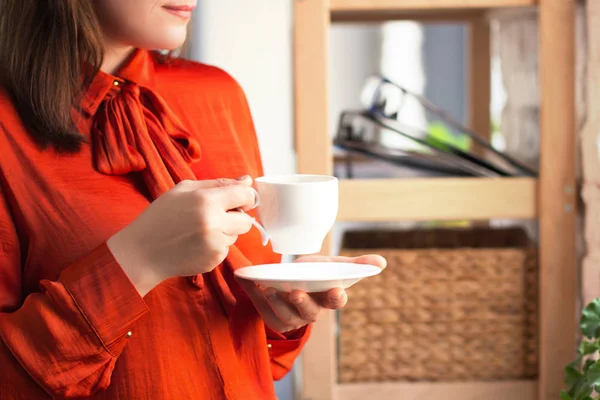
pixel 167 42
pixel 173 45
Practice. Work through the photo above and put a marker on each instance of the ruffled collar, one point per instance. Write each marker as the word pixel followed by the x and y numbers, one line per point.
pixel 139 69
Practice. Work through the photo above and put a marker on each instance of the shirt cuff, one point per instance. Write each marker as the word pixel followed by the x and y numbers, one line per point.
pixel 296 334
pixel 285 343
pixel 105 296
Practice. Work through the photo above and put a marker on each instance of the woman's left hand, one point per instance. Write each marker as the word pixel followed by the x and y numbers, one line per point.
pixel 284 312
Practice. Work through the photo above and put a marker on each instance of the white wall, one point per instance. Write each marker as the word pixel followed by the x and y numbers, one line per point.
pixel 252 40
pixel 354 56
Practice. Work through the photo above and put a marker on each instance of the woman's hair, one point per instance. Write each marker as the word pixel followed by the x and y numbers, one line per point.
pixel 49 51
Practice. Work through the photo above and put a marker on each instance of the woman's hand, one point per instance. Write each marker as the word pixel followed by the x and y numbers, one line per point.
pixel 284 312
pixel 186 231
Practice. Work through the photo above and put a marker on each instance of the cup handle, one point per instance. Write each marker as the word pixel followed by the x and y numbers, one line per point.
pixel 263 232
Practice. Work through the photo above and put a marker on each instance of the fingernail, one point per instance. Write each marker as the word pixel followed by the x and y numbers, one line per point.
pixel 242 178
pixel 336 298
pixel 298 300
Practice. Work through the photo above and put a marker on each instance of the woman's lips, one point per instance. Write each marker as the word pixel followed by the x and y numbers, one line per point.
pixel 181 11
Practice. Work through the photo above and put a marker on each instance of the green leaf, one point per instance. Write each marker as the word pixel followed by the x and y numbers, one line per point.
pixel 593 374
pixel 565 396
pixel 586 347
pixel 583 392
pixel 590 319
pixel 587 365
pixel 572 376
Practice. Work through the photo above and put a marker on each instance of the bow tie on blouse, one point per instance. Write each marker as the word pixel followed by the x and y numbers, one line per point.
pixel 135 131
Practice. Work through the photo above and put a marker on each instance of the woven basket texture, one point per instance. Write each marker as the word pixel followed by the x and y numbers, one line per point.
pixel 452 305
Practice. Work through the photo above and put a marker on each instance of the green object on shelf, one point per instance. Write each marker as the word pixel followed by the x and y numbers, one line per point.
pixel 439 134
pixel 447 224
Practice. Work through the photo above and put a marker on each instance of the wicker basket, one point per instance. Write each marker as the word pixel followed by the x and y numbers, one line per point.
pixel 453 305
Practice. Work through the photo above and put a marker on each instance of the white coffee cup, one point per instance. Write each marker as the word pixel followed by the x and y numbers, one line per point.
pixel 296 211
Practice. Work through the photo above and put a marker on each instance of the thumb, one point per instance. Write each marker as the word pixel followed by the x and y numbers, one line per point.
pixel 245 180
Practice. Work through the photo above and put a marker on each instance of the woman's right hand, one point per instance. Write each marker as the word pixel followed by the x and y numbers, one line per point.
pixel 186 231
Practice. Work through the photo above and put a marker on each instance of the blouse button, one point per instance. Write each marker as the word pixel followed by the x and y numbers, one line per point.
pixel 269 345
pixel 128 335
pixel 116 83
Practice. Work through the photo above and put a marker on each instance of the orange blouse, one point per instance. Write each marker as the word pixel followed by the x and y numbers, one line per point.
pixel 71 323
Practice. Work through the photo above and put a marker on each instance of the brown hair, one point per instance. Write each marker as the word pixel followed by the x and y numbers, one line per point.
pixel 44 46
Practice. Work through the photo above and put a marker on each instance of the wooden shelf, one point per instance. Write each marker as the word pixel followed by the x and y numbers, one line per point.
pixel 437 199
pixel 413 5
pixel 424 16
pixel 514 390
pixel 417 10
pixel 552 199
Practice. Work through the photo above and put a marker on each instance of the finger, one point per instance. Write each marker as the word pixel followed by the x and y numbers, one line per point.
pixel 193 185
pixel 257 296
pixel 307 307
pixel 231 197
pixel 370 259
pixel 263 306
pixel 219 240
pixel 286 312
pixel 229 240
pixel 236 223
pixel 333 299
pixel 245 180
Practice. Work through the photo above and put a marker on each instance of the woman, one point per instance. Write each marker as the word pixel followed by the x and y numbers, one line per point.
pixel 117 237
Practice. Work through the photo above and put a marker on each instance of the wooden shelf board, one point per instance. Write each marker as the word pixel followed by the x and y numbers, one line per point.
pixel 505 390
pixel 413 5
pixel 437 199
pixel 427 11
pixel 425 16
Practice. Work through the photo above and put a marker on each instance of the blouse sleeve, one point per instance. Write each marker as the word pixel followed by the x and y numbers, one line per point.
pixel 68 336
pixel 285 349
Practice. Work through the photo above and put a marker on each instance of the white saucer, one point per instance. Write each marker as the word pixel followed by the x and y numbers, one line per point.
pixel 311 277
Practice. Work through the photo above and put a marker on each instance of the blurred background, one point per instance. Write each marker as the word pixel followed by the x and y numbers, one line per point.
pixel 253 41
